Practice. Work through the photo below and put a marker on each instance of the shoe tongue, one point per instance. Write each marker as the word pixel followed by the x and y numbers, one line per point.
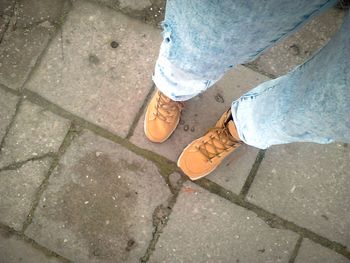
pixel 233 130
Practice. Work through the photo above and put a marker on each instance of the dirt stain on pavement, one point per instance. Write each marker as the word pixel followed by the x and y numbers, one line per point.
pixel 99 205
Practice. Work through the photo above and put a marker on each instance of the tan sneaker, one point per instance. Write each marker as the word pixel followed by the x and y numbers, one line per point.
pixel 162 117
pixel 203 155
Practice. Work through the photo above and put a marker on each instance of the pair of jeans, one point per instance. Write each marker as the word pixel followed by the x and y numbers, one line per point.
pixel 203 39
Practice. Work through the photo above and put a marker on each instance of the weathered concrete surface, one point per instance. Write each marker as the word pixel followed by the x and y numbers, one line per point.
pixel 35 132
pixel 6 11
pixel 300 46
pixel 6 7
pixel 28 32
pixel 135 4
pixel 7 110
pixel 19 51
pixel 18 188
pixel 15 250
pixel 148 11
pixel 311 252
pixel 82 73
pixel 99 203
pixel 206 228
pixel 307 184
pixel 45 12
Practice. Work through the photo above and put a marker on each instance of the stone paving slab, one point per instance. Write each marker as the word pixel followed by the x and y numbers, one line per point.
pixel 19 51
pixel 206 228
pixel 311 252
pixel 6 7
pixel 27 36
pixel 8 104
pixel 15 250
pixel 33 12
pixel 199 115
pixel 84 74
pixel 35 132
pixel 18 188
pixel 136 5
pixel 301 45
pixel 99 203
pixel 307 184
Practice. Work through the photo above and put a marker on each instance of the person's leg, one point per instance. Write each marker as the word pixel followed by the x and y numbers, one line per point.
pixel 203 39
pixel 310 104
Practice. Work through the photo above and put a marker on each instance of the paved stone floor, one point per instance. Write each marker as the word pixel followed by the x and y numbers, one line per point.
pixel 80 183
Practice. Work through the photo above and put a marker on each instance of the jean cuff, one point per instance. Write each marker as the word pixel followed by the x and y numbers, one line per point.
pixel 176 83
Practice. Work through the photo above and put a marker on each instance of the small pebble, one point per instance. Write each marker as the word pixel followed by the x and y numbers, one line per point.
pixel 114 44
pixel 295 50
pixel 219 98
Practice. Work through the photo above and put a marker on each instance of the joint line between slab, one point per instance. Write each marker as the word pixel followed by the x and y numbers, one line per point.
pixel 165 166
pixel 56 32
pixel 32 242
pixel 159 226
pixel 296 250
pixel 17 165
pixel 273 220
pixel 252 174
pixel 9 126
pixel 65 144
pixel 140 112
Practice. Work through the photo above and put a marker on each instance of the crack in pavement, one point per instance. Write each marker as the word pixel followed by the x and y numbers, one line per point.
pixel 70 136
pixel 160 218
pixel 17 165
pixel 296 250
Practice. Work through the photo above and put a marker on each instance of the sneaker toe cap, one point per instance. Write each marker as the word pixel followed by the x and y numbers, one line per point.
pixel 193 165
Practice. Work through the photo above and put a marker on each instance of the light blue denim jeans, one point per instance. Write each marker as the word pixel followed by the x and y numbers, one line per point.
pixel 203 39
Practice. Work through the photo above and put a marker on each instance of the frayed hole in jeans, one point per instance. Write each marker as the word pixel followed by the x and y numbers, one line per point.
pixel 167 39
